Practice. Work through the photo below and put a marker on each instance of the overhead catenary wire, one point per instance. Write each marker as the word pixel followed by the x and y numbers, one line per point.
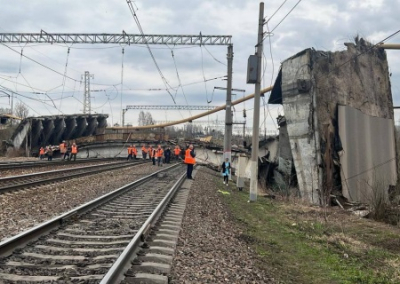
pixel 202 70
pixel 179 82
pixel 135 17
pixel 272 75
pixel 63 82
pixel 276 11
pixel 49 68
pixel 280 22
pixel 26 81
pixel 214 56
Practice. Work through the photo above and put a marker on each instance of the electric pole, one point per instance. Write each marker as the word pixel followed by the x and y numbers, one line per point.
pixel 256 117
pixel 86 95
pixel 228 110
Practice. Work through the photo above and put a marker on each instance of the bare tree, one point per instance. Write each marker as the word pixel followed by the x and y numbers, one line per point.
pixel 5 110
pixel 148 119
pixel 145 119
pixel 141 119
pixel 21 110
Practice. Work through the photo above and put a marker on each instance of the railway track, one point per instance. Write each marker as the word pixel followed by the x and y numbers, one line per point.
pixel 22 181
pixel 56 162
pixel 95 239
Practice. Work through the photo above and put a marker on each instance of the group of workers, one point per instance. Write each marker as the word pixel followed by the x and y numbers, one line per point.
pixel 159 155
pixel 67 153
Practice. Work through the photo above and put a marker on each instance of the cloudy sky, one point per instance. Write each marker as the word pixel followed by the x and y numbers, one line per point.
pixel 322 24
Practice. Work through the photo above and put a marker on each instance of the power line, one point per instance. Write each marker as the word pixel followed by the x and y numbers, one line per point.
pixel 37 62
pixel 286 16
pixel 202 69
pixel 276 11
pixel 65 73
pixel 179 81
pixel 214 56
pixel 272 75
pixel 366 51
pixel 135 17
pixel 47 67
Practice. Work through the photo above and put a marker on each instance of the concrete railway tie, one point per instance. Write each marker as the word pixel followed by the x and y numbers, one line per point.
pixel 85 247
pixel 155 259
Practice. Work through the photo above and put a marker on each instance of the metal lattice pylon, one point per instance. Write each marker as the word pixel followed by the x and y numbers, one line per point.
pixel 86 95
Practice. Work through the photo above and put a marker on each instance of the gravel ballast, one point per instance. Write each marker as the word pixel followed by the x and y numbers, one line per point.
pixel 209 249
pixel 50 167
pixel 27 208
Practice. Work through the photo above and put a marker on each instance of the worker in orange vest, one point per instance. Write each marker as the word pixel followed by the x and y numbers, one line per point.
pixel 129 152
pixel 190 161
pixel 159 154
pixel 74 151
pixel 150 152
pixel 177 151
pixel 63 150
pixel 144 152
pixel 134 151
pixel 41 153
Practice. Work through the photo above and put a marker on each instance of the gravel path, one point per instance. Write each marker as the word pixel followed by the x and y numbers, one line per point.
pixel 209 250
pixel 26 208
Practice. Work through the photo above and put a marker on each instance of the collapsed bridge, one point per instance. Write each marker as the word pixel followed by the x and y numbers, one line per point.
pixel 35 132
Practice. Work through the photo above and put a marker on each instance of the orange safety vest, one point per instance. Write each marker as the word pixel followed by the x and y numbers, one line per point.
pixel 150 152
pixel 62 148
pixel 129 150
pixel 41 151
pixel 74 149
pixel 177 151
pixel 144 150
pixel 134 150
pixel 159 152
pixel 188 158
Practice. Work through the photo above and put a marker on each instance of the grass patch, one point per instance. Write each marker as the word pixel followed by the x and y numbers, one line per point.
pixel 303 244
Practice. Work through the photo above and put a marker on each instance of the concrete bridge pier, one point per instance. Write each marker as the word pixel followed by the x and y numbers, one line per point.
pixel 48 126
pixel 102 124
pixel 59 127
pixel 71 124
pixel 80 127
pixel 36 130
pixel 92 123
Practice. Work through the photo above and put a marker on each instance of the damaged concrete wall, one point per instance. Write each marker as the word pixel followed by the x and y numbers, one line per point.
pixel 297 108
pixel 359 78
pixel 311 86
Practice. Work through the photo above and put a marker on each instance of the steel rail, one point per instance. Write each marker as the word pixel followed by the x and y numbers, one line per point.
pixel 88 170
pixel 27 164
pixel 20 240
pixel 122 264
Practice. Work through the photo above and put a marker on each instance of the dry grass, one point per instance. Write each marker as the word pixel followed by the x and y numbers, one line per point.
pixel 308 244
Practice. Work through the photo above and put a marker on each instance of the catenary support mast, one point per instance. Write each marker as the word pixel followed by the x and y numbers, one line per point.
pixel 256 117
pixel 228 109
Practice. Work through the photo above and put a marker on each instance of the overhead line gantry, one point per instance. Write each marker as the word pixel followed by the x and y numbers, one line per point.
pixel 128 39
pixel 123 38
